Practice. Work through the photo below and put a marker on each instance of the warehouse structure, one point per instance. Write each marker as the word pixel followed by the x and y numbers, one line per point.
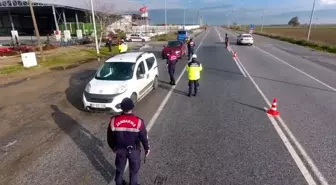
pixel 15 15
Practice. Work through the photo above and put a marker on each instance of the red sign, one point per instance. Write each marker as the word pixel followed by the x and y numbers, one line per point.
pixel 143 9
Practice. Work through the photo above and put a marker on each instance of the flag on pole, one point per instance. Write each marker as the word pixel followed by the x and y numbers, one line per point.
pixel 143 9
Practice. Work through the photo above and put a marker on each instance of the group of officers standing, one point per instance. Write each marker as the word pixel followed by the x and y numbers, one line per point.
pixel 194 67
pixel 127 132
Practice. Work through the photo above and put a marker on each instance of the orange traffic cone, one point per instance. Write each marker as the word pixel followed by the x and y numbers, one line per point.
pixel 273 110
pixel 234 54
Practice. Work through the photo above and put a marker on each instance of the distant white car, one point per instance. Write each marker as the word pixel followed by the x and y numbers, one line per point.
pixel 245 38
pixel 137 38
pixel 131 75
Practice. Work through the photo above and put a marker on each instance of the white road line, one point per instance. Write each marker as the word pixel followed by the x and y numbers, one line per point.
pixel 239 67
pixel 310 162
pixel 307 175
pixel 165 100
pixel 308 75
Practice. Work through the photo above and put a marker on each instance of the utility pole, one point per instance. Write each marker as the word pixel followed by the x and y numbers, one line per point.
pixel 95 30
pixel 184 18
pixel 262 22
pixel 166 16
pixel 37 33
pixel 311 20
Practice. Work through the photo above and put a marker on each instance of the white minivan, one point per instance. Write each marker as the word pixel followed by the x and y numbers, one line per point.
pixel 131 75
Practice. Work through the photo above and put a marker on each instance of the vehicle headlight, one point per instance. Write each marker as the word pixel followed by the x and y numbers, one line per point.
pixel 178 51
pixel 122 89
pixel 88 87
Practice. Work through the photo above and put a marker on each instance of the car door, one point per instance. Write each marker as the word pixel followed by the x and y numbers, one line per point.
pixel 142 78
pixel 151 65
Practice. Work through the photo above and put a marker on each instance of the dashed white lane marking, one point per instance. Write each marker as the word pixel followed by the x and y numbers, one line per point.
pixel 308 75
pixel 283 137
pixel 307 175
pixel 239 67
pixel 165 100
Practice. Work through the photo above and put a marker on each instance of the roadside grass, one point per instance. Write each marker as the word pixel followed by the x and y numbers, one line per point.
pixel 165 37
pixel 321 38
pixel 73 57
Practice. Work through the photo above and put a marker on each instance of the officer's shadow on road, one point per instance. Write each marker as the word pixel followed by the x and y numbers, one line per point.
pixel 90 145
pixel 168 87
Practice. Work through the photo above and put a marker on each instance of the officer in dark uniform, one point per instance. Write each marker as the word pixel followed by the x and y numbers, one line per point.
pixel 194 69
pixel 191 46
pixel 109 43
pixel 124 134
pixel 226 40
pixel 171 64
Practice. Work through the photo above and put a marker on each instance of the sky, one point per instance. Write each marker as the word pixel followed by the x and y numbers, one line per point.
pixel 220 11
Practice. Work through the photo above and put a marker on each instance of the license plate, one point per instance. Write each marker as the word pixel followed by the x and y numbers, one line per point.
pixel 100 106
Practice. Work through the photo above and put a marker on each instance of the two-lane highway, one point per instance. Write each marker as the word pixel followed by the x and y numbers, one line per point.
pixel 222 136
pixel 302 81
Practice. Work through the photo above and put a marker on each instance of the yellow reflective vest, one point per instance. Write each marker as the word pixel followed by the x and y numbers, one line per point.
pixel 194 69
pixel 122 47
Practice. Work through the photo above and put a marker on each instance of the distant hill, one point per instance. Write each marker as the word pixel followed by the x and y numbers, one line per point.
pixel 175 16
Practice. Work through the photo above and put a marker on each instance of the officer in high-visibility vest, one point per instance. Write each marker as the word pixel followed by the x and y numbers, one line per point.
pixel 123 47
pixel 194 69
pixel 124 135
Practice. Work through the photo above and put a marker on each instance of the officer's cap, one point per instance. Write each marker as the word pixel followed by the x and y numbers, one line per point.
pixel 194 56
pixel 126 104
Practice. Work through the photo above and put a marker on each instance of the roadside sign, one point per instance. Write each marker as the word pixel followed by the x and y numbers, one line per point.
pixel 251 27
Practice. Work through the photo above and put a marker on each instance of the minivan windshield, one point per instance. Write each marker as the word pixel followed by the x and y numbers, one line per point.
pixel 174 43
pixel 182 32
pixel 118 71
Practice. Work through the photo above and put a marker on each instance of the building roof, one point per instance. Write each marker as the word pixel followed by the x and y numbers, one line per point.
pixel 25 3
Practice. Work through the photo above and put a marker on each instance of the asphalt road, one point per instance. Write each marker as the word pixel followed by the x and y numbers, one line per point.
pixel 222 136
pixel 303 82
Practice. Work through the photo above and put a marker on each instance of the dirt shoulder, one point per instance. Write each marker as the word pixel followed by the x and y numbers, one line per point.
pixel 26 128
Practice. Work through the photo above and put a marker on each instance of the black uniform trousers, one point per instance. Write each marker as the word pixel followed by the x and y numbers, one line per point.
pixel 134 159
pixel 190 52
pixel 193 84
pixel 171 71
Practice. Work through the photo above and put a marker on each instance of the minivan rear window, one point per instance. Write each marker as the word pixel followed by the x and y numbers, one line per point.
pixel 181 32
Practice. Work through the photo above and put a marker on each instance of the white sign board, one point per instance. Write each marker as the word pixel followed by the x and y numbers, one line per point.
pixel 145 14
pixel 29 59
pixel 58 34
pixel 67 35
pixel 15 33
pixel 79 34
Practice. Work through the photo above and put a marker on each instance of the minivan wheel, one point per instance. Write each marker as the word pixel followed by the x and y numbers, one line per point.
pixel 156 83
pixel 134 98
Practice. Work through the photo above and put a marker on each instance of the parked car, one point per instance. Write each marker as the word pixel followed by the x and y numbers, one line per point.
pixel 177 46
pixel 245 38
pixel 131 75
pixel 137 38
